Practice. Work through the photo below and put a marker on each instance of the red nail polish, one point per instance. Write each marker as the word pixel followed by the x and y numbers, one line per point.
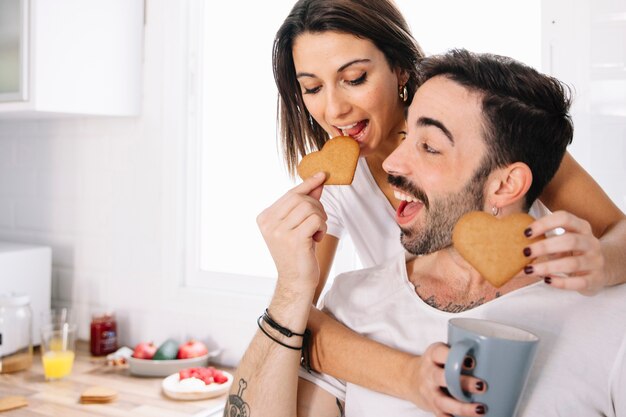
pixel 528 269
pixel 480 385
pixel 528 232
pixel 527 252
pixel 547 280
pixel 480 409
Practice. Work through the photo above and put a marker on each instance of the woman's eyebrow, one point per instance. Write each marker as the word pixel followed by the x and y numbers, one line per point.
pixel 341 68
pixel 356 61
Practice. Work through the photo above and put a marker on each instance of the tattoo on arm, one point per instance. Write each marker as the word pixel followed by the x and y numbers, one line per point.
pixel 235 405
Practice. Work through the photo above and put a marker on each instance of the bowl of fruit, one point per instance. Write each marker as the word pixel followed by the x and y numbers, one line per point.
pixel 169 357
pixel 197 383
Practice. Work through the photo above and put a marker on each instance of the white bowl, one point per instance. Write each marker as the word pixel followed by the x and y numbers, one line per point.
pixel 195 389
pixel 149 367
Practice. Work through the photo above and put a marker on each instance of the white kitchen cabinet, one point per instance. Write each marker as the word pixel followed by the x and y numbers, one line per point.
pixel 70 57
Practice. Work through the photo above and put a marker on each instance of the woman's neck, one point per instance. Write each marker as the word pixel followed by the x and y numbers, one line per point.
pixel 375 164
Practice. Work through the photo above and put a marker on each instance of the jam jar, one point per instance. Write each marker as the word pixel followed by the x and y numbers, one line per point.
pixel 16 324
pixel 103 338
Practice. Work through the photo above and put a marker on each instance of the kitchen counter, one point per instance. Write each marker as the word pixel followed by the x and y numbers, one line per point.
pixel 137 396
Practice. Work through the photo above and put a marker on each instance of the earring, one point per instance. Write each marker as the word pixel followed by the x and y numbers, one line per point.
pixel 495 211
pixel 404 93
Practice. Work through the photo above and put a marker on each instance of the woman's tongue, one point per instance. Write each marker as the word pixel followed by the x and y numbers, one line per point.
pixel 356 129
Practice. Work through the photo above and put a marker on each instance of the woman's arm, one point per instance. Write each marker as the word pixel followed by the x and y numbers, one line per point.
pixel 595 263
pixel 572 189
pixel 325 253
pixel 344 354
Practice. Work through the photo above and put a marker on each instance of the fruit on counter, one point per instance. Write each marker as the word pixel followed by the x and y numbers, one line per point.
pixel 191 349
pixel 208 375
pixel 144 350
pixel 168 350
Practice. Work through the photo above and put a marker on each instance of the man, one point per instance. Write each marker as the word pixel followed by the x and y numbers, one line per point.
pixel 484 133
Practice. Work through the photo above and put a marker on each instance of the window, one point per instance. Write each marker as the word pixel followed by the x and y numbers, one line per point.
pixel 235 169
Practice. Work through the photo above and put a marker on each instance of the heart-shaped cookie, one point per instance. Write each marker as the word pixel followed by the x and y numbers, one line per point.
pixel 494 246
pixel 337 158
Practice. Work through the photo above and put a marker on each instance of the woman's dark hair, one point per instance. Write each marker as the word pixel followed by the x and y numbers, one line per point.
pixel 376 20
pixel 526 113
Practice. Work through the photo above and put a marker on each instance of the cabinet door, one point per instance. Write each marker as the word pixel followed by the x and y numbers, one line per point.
pixel 13 50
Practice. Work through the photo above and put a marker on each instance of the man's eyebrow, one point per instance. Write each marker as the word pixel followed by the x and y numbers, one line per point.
pixel 427 121
pixel 341 68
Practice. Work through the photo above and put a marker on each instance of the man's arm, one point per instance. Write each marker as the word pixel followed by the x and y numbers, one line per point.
pixel 266 380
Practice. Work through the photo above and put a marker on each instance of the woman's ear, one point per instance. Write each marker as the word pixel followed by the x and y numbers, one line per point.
pixel 509 185
pixel 403 76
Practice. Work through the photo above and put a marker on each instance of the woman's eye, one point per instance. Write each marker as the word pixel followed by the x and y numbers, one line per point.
pixel 313 90
pixel 359 80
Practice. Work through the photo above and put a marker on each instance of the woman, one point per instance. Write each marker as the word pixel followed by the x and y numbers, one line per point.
pixel 348 67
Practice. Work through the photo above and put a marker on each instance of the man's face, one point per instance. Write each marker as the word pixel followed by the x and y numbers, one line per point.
pixel 437 170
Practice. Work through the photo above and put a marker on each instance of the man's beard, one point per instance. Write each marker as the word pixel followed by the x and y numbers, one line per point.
pixel 442 214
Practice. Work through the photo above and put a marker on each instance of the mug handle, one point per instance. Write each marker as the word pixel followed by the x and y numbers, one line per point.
pixel 453 367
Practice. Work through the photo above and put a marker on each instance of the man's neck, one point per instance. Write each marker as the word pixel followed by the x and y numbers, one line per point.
pixel 445 281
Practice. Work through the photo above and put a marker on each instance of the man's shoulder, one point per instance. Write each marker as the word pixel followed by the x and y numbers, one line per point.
pixel 364 287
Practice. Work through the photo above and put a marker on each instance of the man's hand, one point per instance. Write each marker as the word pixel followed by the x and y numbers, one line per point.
pixel 429 391
pixel 573 260
pixel 291 227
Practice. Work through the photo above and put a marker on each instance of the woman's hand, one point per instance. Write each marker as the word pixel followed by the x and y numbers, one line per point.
pixel 572 260
pixel 291 227
pixel 429 385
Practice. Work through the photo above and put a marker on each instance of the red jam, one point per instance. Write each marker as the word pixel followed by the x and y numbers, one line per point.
pixel 103 334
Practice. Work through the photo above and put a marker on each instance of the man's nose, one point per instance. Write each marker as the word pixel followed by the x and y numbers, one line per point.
pixel 398 162
pixel 337 105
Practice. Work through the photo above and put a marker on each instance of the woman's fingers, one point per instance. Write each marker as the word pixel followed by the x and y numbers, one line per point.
pixel 558 219
pixel 441 403
pixel 446 404
pixel 568 242
pixel 572 260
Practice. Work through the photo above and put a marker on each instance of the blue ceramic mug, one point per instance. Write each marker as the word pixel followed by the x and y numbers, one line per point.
pixel 502 357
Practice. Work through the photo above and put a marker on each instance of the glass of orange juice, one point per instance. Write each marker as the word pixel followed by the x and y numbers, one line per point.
pixel 58 347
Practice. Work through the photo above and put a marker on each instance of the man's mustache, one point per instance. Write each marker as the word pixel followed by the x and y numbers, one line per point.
pixel 408 187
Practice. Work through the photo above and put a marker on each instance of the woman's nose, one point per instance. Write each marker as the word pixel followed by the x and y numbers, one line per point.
pixel 337 106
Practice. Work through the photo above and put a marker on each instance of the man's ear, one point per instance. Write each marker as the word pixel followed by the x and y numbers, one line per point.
pixel 509 185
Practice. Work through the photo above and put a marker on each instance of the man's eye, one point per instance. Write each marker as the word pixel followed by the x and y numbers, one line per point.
pixel 359 80
pixel 429 149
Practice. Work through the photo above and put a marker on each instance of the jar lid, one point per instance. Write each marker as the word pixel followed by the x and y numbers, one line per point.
pixel 14 299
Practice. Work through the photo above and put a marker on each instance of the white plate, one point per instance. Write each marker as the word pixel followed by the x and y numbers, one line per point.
pixel 149 367
pixel 193 388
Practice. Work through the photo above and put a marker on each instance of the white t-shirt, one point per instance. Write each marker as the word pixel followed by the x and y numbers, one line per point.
pixel 363 211
pixel 580 369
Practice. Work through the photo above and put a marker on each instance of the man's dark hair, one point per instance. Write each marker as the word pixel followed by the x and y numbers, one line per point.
pixel 525 112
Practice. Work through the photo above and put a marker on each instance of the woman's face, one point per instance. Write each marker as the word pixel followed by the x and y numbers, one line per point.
pixel 349 87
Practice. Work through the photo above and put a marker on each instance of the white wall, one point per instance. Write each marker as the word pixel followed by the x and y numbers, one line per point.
pixel 105 193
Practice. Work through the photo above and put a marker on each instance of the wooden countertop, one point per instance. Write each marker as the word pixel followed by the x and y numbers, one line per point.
pixel 137 396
